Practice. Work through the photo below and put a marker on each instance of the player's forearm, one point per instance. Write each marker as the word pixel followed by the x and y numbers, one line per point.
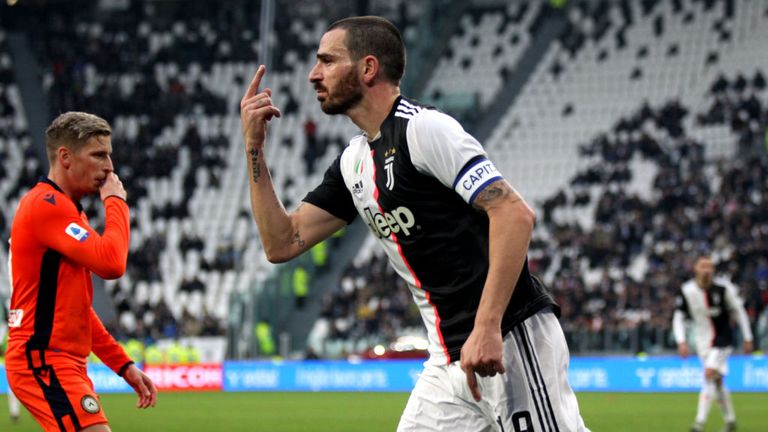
pixel 275 226
pixel 736 306
pixel 111 255
pixel 510 233
pixel 678 327
pixel 105 347
pixel 743 319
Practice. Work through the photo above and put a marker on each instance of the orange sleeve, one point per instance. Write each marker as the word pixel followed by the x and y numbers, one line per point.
pixel 106 348
pixel 61 228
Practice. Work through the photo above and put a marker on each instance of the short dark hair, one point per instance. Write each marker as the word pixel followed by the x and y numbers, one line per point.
pixel 376 36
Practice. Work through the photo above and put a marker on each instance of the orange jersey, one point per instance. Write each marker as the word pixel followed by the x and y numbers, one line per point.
pixel 53 251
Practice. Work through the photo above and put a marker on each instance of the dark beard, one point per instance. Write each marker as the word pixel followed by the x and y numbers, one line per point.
pixel 346 97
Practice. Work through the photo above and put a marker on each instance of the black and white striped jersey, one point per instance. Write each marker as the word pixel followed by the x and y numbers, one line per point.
pixel 710 312
pixel 414 185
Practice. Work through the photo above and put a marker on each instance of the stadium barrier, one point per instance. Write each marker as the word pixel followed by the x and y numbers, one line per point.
pixel 194 377
pixel 605 374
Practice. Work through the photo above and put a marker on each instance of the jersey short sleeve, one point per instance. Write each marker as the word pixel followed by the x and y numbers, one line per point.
pixel 440 147
pixel 332 195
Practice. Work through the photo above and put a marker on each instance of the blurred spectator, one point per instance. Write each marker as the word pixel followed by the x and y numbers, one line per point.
pixel 210 325
pixel 190 326
pixel 190 242
pixel 311 151
pixel 192 285
pixel 165 325
pixel 300 282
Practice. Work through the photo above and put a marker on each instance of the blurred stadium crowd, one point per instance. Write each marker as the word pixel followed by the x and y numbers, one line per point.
pixel 632 175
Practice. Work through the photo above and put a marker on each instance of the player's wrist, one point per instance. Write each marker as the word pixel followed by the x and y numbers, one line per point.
pixel 123 369
pixel 253 144
pixel 487 323
pixel 114 195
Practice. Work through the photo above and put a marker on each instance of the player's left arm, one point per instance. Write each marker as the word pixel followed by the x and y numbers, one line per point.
pixel 61 228
pixel 106 347
pixel 736 306
pixel 115 357
pixel 678 324
pixel 511 223
pixel 440 147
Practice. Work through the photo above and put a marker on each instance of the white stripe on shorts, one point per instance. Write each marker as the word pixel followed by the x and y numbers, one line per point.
pixel 536 382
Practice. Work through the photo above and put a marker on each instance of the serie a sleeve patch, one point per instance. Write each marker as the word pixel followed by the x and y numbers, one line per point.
pixel 474 178
pixel 76 232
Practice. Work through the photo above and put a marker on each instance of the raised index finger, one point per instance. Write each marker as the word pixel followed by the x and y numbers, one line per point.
pixel 253 88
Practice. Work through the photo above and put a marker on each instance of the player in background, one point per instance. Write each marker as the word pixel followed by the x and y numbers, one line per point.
pixel 452 228
pixel 709 305
pixel 53 251
pixel 13 401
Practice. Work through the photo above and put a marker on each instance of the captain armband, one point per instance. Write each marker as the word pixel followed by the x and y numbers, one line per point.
pixel 474 178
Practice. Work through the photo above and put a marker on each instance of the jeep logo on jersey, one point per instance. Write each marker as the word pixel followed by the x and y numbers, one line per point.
pixel 399 220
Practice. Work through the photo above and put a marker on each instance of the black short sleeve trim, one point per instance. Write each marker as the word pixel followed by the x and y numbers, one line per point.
pixel 332 194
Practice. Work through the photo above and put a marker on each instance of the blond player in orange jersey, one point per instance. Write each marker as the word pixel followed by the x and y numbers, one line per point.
pixel 53 327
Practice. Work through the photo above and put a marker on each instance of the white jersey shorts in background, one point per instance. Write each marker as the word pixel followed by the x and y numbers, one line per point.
pixel 532 395
pixel 716 358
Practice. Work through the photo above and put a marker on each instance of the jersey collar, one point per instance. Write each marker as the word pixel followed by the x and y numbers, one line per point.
pixel 371 140
pixel 388 119
pixel 50 182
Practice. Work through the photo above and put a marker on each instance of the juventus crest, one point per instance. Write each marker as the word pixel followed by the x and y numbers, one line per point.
pixel 389 158
pixel 388 168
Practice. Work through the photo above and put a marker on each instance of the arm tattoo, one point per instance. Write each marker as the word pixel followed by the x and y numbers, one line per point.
pixel 255 168
pixel 493 195
pixel 296 239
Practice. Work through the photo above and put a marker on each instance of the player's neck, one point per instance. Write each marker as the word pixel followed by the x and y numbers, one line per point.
pixel 703 284
pixel 371 112
pixel 60 178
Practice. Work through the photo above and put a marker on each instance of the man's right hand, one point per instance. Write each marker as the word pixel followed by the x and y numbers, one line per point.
pixel 256 110
pixel 112 187
pixel 748 347
pixel 143 386
pixel 682 348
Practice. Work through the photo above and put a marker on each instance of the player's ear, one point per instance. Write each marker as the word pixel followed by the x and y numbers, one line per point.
pixel 370 69
pixel 64 157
